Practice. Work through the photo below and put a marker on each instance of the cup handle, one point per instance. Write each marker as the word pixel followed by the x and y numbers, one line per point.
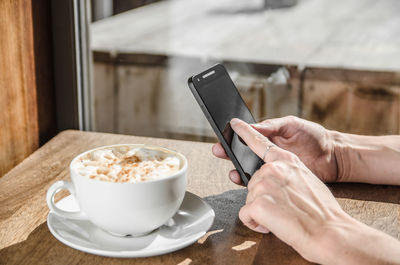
pixel 59 185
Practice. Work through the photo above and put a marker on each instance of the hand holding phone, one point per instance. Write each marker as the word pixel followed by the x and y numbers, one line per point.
pixel 220 102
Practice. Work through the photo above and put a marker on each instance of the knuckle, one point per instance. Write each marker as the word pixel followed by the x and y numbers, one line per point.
pixel 266 169
pixel 258 205
pixel 286 155
pixel 255 177
pixel 272 167
pixel 259 138
pixel 265 122
pixel 260 188
pixel 275 173
pixel 295 159
pixel 256 138
pixel 288 180
pixel 242 215
pixel 269 168
pixel 292 118
pixel 292 157
pixel 252 183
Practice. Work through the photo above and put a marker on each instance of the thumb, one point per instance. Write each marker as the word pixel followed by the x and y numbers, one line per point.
pixel 272 127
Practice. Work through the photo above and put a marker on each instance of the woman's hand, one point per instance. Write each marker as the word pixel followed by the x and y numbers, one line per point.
pixel 286 198
pixel 311 142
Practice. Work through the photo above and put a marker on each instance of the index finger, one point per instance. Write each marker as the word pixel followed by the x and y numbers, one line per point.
pixel 257 142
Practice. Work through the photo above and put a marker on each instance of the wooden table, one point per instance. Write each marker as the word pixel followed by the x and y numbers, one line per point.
pixel 25 238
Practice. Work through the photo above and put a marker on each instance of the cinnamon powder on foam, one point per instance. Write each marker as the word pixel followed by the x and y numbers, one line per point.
pixel 126 164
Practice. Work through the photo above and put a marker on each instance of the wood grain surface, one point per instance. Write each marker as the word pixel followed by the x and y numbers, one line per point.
pixel 25 238
pixel 18 107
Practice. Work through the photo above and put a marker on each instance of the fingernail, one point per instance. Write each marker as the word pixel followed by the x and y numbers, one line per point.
pixel 261 229
pixel 235 121
pixel 233 177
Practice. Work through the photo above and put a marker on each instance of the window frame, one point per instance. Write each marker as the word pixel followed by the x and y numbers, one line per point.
pixel 72 64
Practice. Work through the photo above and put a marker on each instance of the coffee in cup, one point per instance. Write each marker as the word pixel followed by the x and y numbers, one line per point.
pixel 127 164
pixel 128 189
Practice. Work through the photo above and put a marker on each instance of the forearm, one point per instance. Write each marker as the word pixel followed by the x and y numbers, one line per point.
pixel 352 242
pixel 368 159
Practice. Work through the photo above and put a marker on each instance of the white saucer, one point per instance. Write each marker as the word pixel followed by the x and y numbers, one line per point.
pixel 190 223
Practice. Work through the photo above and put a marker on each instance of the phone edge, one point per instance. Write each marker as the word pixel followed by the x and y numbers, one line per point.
pixel 206 113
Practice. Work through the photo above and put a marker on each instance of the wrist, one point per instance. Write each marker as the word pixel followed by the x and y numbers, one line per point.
pixel 339 237
pixel 340 154
pixel 349 241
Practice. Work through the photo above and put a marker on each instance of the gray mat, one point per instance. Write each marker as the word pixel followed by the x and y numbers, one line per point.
pixel 226 206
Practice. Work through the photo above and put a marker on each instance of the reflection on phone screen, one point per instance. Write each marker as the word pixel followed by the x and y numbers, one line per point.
pixel 228 133
pixel 241 150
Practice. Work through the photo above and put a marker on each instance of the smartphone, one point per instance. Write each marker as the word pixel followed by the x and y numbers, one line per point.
pixel 220 102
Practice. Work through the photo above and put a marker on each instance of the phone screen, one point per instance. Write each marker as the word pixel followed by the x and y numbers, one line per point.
pixel 223 102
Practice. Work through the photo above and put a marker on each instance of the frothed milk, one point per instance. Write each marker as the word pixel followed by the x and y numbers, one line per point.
pixel 126 189
pixel 127 164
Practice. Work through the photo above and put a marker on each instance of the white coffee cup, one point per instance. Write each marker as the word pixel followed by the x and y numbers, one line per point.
pixel 124 208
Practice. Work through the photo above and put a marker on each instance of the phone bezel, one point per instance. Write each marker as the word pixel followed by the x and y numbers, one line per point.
pixel 192 85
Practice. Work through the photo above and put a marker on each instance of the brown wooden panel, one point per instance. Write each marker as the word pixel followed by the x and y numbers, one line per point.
pixel 18 108
pixel 359 102
pixel 104 90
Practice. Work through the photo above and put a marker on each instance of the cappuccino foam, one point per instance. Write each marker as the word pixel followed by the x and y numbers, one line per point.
pixel 127 164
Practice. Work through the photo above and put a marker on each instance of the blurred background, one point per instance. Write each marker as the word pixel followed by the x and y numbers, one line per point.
pixel 121 66
pixel 333 62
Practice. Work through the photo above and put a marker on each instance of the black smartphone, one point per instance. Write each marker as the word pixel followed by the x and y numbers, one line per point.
pixel 220 101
